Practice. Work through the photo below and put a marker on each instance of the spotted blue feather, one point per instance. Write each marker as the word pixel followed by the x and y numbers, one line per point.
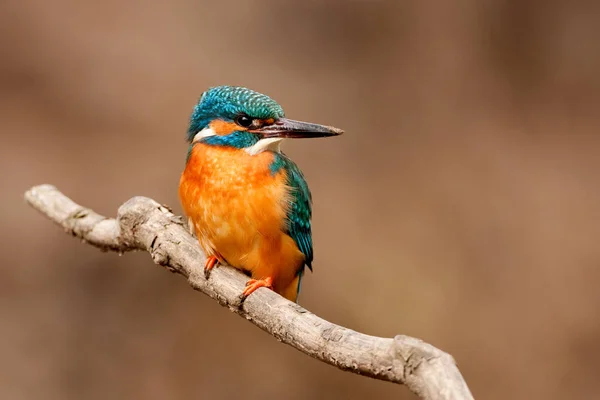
pixel 227 102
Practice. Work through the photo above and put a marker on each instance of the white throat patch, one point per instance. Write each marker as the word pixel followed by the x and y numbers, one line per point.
pixel 206 132
pixel 273 144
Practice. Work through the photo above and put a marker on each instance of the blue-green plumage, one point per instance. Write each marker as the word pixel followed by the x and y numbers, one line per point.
pixel 227 102
pixel 300 211
pixel 239 139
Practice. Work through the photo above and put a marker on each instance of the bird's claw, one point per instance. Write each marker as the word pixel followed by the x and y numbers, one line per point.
pixel 253 284
pixel 211 262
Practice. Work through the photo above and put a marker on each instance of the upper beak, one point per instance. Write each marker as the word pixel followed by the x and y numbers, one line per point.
pixel 288 128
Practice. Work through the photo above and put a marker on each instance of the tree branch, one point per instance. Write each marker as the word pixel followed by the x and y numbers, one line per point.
pixel 143 224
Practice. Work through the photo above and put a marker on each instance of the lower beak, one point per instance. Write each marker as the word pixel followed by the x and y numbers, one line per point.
pixel 288 128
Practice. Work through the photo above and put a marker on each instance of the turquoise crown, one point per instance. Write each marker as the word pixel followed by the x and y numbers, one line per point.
pixel 227 102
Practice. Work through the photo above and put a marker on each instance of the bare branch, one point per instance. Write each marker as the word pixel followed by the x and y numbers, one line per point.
pixel 143 224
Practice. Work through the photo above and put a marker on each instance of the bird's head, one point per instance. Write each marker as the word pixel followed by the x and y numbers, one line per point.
pixel 242 118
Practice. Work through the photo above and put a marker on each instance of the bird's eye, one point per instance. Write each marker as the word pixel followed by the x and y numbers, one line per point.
pixel 243 120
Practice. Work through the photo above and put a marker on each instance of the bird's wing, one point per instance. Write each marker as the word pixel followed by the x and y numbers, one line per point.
pixel 300 212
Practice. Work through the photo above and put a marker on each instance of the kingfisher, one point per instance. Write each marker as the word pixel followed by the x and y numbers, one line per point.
pixel 248 203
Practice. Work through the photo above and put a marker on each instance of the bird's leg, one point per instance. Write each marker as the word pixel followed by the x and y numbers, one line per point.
pixel 254 284
pixel 211 262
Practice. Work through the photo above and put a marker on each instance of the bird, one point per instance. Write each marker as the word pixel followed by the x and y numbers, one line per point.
pixel 248 203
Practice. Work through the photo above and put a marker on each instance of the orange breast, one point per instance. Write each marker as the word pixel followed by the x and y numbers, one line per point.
pixel 238 209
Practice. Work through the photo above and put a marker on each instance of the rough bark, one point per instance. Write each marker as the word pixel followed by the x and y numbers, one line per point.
pixel 143 224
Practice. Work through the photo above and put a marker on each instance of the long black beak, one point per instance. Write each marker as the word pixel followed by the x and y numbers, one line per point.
pixel 288 128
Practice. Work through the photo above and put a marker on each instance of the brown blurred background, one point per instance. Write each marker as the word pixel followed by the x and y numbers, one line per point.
pixel 462 206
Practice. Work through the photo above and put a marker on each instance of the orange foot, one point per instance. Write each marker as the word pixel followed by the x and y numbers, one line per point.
pixel 211 262
pixel 254 284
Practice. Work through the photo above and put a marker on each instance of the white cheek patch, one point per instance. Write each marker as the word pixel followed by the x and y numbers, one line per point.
pixel 273 144
pixel 206 132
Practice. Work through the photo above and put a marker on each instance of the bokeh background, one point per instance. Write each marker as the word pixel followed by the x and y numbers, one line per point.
pixel 462 206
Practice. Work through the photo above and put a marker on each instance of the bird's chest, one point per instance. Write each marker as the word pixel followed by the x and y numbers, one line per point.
pixel 233 197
